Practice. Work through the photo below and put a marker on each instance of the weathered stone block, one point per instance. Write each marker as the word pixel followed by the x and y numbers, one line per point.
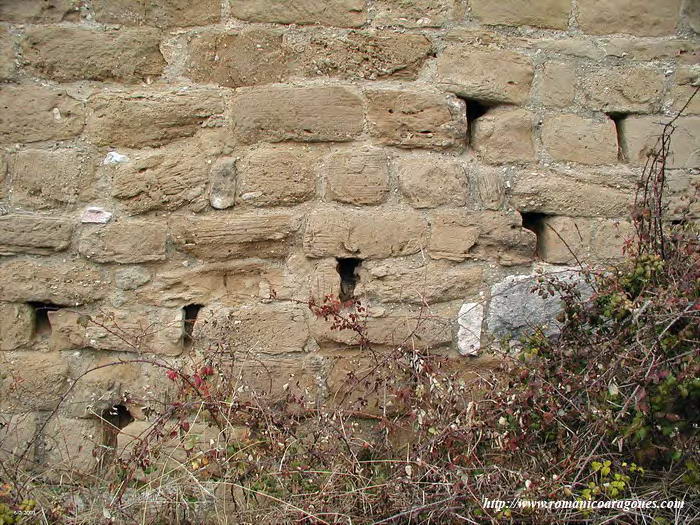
pixel 416 120
pixel 164 179
pixel 687 79
pixel 8 68
pixel 38 11
pixel 225 236
pixel 124 242
pixel 364 55
pixel 364 234
pixel 457 235
pixel 58 282
pixel 149 118
pixel 70 53
pixel 504 135
pixel 417 281
pixel 558 84
pixel 624 90
pixel 640 137
pixel 395 325
pixel 34 113
pixel 159 13
pixel 275 328
pixel 71 445
pixel 32 381
pixel 559 194
pixel 571 138
pixel 16 325
pixel 590 240
pixel 485 75
pixel 309 114
pixel 431 181
pixel 277 176
pixel 256 56
pixel 469 320
pixel 636 17
pixel 137 329
pixel 224 180
pixel 490 186
pixel 34 234
pixel 516 310
pixel 45 179
pixel 342 13
pixel 360 176
pixel 553 14
pixel 417 13
pixel 245 58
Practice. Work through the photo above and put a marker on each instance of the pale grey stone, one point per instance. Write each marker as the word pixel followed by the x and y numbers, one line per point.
pixel 471 315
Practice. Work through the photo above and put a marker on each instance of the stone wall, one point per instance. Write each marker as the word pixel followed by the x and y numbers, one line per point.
pixel 168 163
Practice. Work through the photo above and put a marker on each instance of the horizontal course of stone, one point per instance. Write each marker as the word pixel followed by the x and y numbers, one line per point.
pixel 168 153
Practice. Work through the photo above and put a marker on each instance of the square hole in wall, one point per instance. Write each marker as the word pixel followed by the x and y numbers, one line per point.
pixel 189 317
pixel 347 269
pixel 42 322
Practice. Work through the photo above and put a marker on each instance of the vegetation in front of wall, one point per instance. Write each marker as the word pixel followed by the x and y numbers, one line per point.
pixel 606 410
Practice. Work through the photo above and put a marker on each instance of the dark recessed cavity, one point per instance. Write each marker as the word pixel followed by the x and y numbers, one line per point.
pixel 190 313
pixel 534 222
pixel 475 110
pixel 617 119
pixel 347 269
pixel 114 419
pixel 42 323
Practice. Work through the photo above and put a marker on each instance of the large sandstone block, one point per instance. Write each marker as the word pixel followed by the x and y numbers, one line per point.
pixel 624 90
pixel 636 17
pixel 558 84
pixel 576 196
pixel 485 75
pixel 395 325
pixel 149 118
pixel 590 240
pixel 308 114
pixel 71 53
pixel 359 176
pixel 416 120
pixel 163 179
pixel 640 135
pixel 277 175
pixel 159 13
pixel 34 234
pixel 456 235
pixel 342 13
pixel 51 281
pixel 504 135
pixel 230 282
pixel 274 328
pixel 553 14
pixel 32 381
pixel 431 181
pixel 225 236
pixel 571 138
pixel 375 234
pixel 46 179
pixel 417 281
pixel 256 56
pixel 38 11
pixel 34 113
pixel 124 242
pixel 16 325
pixel 417 13
pixel 242 58
pixel 134 329
pixel 687 79
pixel 8 68
pixel 364 55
